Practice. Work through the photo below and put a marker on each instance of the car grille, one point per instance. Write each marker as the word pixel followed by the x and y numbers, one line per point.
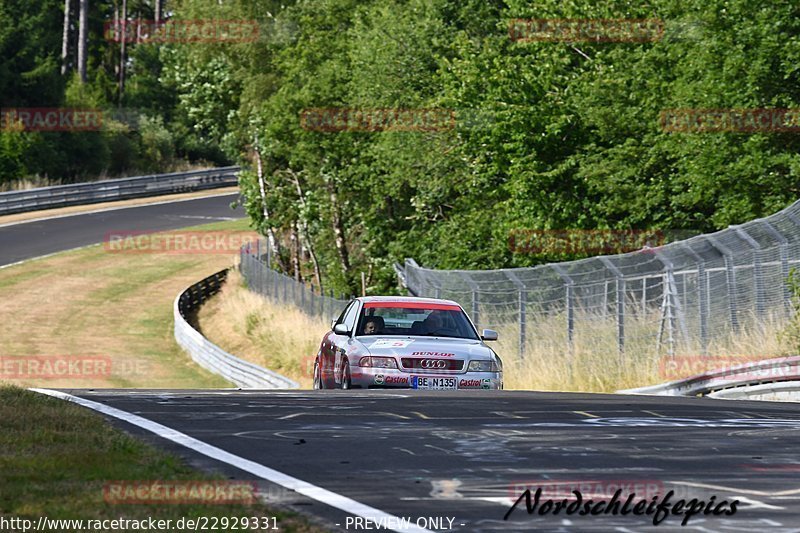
pixel 432 365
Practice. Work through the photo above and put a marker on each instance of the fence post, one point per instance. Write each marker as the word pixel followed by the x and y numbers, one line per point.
pixel 672 301
pixel 730 276
pixel 644 296
pixel 569 297
pixel 302 289
pixel 784 251
pixel 475 312
pixel 758 275
pixel 702 292
pixel 620 286
pixel 257 281
pixel 522 309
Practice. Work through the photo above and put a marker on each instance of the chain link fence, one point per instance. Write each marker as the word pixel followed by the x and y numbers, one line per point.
pixel 719 292
pixel 262 279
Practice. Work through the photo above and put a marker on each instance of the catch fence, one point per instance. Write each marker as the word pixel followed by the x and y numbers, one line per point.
pixel 698 295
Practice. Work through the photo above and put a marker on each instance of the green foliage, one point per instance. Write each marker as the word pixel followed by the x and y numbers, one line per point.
pixel 547 135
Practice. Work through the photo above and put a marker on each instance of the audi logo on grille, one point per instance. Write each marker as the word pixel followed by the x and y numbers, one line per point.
pixel 433 363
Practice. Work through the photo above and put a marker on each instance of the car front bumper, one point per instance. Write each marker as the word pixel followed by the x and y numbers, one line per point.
pixel 386 378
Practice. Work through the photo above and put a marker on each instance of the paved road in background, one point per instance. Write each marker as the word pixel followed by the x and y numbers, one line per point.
pixel 464 454
pixel 27 240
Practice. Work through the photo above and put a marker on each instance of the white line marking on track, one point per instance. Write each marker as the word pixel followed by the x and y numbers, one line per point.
pixel 46 256
pixel 327 497
pixel 755 504
pixel 206 218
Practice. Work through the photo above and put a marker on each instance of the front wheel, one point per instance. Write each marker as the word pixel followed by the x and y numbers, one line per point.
pixel 317 376
pixel 346 381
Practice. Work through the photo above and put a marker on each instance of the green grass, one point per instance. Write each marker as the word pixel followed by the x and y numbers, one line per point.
pixel 56 457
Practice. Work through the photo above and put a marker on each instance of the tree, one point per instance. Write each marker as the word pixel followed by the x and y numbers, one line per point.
pixel 65 39
pixel 83 36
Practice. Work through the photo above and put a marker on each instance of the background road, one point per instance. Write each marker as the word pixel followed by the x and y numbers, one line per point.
pixel 465 454
pixel 27 240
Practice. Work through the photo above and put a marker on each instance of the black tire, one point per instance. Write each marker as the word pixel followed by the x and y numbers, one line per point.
pixel 347 383
pixel 318 383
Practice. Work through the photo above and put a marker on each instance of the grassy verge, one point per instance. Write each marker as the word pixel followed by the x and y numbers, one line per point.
pixel 90 303
pixel 57 458
pixel 286 340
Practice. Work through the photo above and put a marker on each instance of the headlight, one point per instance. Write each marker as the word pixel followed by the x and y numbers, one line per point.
pixel 378 362
pixel 482 366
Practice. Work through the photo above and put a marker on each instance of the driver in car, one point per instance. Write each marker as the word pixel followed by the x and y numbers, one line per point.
pixel 372 326
pixel 433 322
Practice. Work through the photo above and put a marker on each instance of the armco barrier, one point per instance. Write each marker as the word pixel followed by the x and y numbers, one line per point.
pixel 211 356
pixel 781 373
pixel 118 189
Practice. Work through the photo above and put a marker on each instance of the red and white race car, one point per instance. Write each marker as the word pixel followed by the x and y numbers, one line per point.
pixel 406 342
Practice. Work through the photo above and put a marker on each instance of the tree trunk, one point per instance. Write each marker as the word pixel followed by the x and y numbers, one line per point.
pixel 304 233
pixel 296 254
pixel 338 228
pixel 65 39
pixel 83 33
pixel 157 11
pixel 273 242
pixel 122 47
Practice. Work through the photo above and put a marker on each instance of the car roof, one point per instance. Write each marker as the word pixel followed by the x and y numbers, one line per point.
pixel 405 299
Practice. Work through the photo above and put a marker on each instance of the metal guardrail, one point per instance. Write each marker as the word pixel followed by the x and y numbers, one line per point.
pixel 780 391
pixel 118 189
pixel 783 371
pixel 210 356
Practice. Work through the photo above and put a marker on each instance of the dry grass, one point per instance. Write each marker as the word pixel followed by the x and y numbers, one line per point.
pixel 91 303
pixel 281 338
pixel 595 365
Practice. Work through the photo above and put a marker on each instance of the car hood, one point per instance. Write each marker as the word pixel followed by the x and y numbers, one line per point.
pixel 427 347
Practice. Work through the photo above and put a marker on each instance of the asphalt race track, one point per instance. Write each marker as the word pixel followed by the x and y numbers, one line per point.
pixel 36 238
pixel 464 455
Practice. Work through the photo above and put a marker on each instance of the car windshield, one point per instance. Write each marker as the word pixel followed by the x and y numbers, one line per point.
pixel 403 318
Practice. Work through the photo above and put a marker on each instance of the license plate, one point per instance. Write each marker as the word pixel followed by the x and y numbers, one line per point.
pixel 433 383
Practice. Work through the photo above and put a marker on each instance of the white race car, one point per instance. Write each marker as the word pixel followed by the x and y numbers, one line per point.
pixel 406 342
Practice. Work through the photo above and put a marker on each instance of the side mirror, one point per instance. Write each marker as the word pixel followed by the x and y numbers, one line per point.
pixel 333 322
pixel 341 329
pixel 489 335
